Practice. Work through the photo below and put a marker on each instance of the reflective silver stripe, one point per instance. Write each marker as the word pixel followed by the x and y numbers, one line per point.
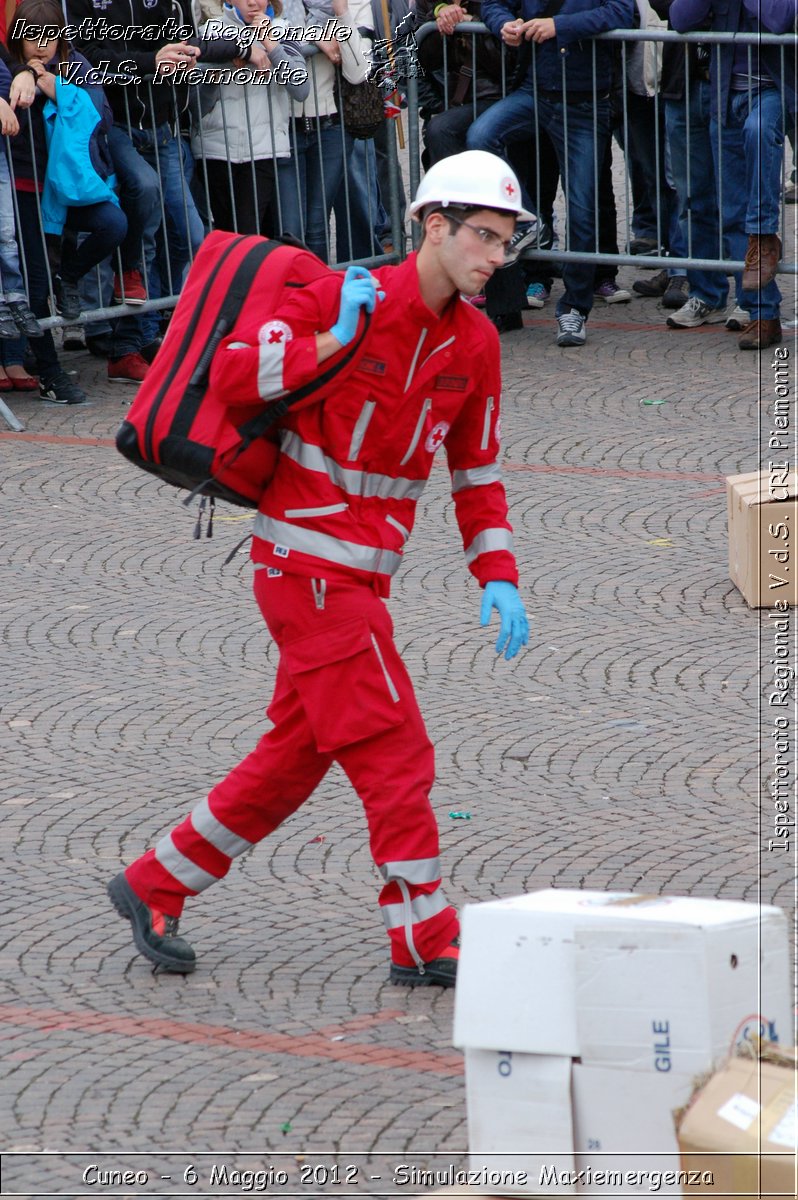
pixel 359 432
pixel 422 416
pixel 490 539
pixel 216 833
pixel 326 510
pixel 321 545
pixel 391 685
pixel 475 477
pixel 421 909
pixel 355 483
pixel 412 370
pixel 183 869
pixel 399 526
pixel 442 346
pixel 414 870
pixel 486 424
pixel 270 370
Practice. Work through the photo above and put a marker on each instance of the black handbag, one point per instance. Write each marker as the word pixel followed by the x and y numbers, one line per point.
pixel 361 107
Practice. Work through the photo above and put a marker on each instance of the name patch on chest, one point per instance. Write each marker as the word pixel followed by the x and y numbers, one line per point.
pixel 372 366
pixel 451 383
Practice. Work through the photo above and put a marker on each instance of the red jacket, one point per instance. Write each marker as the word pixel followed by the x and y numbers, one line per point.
pixel 352 468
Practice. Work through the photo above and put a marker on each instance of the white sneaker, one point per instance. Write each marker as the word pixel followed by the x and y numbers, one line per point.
pixel 737 318
pixel 571 328
pixel 696 312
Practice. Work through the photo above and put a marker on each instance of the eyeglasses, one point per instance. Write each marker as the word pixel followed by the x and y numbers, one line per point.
pixel 490 238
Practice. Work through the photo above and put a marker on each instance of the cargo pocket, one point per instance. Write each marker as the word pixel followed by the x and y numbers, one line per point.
pixel 344 684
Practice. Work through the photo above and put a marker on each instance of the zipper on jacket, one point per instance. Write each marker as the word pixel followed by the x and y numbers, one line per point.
pixel 391 685
pixel 486 426
pixel 425 407
pixel 319 588
pixel 412 370
pixel 359 432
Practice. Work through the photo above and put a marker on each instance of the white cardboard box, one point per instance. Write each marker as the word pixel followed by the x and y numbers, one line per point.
pixel 583 974
pixel 623 1123
pixel 518 1108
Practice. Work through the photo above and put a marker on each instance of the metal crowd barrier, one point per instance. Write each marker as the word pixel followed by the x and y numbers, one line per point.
pixel 626 40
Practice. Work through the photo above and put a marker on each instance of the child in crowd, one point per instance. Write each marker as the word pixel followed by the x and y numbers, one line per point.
pixel 57 69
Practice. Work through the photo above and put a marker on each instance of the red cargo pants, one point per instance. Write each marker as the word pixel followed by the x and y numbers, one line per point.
pixel 342 695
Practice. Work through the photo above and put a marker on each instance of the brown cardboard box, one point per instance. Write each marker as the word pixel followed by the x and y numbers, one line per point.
pixel 763 536
pixel 741 1126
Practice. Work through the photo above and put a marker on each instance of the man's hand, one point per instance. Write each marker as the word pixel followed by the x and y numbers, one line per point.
pixel 514 629
pixel 540 29
pixel 512 32
pixel 359 291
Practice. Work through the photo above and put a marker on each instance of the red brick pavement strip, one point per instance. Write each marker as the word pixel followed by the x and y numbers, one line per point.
pixel 540 468
pixel 191 1033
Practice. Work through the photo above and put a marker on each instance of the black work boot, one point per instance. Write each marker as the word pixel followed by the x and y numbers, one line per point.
pixel 154 933
pixel 441 972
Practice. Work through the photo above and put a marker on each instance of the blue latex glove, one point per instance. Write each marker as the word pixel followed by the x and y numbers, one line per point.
pixel 514 631
pixel 358 292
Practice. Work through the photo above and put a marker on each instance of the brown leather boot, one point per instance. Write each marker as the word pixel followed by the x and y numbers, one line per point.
pixel 761 261
pixel 760 334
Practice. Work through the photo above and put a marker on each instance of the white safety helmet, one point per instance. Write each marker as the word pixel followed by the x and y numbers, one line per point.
pixel 473 179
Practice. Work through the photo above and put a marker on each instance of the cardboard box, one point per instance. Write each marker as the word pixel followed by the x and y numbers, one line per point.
pixel 583 974
pixel 763 535
pixel 624 1124
pixel 743 1128
pixel 518 1108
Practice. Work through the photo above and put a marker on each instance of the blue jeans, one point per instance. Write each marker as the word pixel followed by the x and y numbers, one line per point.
pixel 308 182
pixel 171 159
pixel 748 151
pixel 358 206
pixel 580 134
pixel 106 226
pixel 694 180
pixel 12 285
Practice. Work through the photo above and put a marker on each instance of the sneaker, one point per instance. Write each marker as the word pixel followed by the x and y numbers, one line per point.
pixel 74 338
pixel 67 299
pixel 58 388
pixel 791 194
pixel 737 318
pixel 657 285
pixel 536 295
pixel 644 245
pixel 130 368
pixel 696 312
pixel 571 328
pixel 154 933
pixel 477 301
pixel 129 288
pixel 677 292
pixel 611 293
pixel 8 326
pixel 26 322
pixel 760 334
pixel 441 971
pixel 528 238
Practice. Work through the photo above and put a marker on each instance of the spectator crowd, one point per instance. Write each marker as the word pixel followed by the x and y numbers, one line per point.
pixel 126 142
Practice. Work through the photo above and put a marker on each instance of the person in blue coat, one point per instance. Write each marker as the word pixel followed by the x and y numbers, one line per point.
pixel 566 91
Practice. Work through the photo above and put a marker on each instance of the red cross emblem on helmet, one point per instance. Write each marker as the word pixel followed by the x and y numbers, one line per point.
pixel 509 188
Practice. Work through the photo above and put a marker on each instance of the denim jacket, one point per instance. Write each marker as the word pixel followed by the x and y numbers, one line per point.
pixel 576 23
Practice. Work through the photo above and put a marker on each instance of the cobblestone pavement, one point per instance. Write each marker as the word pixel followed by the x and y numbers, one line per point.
pixel 621 751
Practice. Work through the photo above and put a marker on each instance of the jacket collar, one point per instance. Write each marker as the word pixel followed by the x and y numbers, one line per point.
pixel 404 291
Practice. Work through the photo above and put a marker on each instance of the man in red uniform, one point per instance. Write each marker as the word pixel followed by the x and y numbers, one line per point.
pixel 328 537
